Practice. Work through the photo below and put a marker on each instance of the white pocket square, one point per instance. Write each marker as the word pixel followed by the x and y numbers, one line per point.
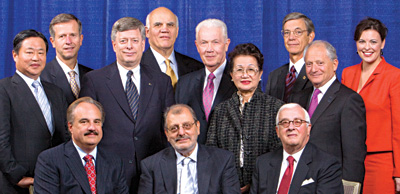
pixel 307 181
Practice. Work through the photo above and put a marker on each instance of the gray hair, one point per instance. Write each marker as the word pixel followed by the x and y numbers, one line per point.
pixel 148 19
pixel 212 23
pixel 330 50
pixel 177 109
pixel 297 15
pixel 127 23
pixel 72 107
pixel 292 105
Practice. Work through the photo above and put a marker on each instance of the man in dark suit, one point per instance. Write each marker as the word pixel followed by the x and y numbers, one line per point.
pixel 297 32
pixel 188 167
pixel 337 112
pixel 162 28
pixel 134 97
pixel 64 70
pixel 32 113
pixel 298 167
pixel 212 43
pixel 78 166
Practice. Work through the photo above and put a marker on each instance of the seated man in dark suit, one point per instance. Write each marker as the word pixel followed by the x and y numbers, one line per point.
pixel 298 167
pixel 187 167
pixel 32 113
pixel 337 112
pixel 297 32
pixel 64 70
pixel 162 28
pixel 78 166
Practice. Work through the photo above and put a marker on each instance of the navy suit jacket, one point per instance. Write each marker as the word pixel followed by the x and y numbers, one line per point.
pixel 23 129
pixel 185 64
pixel 339 127
pixel 189 90
pixel 60 170
pixel 324 169
pixel 131 140
pixel 277 82
pixel 216 172
pixel 54 74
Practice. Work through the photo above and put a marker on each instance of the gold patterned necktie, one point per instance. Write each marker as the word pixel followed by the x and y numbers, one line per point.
pixel 74 85
pixel 171 73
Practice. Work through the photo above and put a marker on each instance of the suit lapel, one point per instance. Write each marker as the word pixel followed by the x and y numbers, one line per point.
pixel 115 86
pixel 326 100
pixel 274 169
pixel 29 100
pixel 301 80
pixel 203 170
pixel 199 89
pixel 101 172
pixel 76 167
pixel 146 91
pixel 281 81
pixel 225 86
pixel 59 77
pixel 181 63
pixel 301 170
pixel 169 171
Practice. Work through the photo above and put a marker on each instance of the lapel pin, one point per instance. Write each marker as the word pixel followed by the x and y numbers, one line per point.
pixel 149 84
pixel 304 77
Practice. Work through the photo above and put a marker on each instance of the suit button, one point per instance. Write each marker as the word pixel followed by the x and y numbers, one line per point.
pixel 136 138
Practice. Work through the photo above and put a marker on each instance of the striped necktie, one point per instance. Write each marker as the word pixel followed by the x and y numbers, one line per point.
pixel 290 79
pixel 74 85
pixel 44 104
pixel 132 94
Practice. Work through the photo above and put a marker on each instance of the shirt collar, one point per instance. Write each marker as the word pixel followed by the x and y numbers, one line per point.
pixel 298 65
pixel 65 68
pixel 325 87
pixel 83 154
pixel 192 156
pixel 296 155
pixel 218 72
pixel 123 71
pixel 160 59
pixel 27 79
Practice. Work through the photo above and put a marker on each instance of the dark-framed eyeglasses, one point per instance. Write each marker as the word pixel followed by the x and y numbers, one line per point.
pixel 296 32
pixel 250 71
pixel 296 122
pixel 185 126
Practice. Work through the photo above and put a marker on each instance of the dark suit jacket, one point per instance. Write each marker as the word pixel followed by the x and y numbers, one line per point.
pixel 189 90
pixel 185 64
pixel 322 168
pixel 216 172
pixel 277 82
pixel 60 170
pixel 54 74
pixel 131 140
pixel 339 127
pixel 256 125
pixel 23 129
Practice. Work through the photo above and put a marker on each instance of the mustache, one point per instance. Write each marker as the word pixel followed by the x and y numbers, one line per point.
pixel 182 137
pixel 91 132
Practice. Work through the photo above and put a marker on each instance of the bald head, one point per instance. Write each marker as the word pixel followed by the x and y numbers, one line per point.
pixel 162 28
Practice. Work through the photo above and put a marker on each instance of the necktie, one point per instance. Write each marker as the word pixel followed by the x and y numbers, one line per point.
pixel 74 85
pixel 314 102
pixel 186 177
pixel 91 173
pixel 290 79
pixel 132 94
pixel 171 72
pixel 287 177
pixel 44 104
pixel 208 94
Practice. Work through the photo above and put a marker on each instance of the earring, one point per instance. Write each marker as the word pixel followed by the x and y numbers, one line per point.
pixel 381 52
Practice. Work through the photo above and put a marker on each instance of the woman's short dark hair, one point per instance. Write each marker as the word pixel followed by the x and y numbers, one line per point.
pixel 247 49
pixel 370 24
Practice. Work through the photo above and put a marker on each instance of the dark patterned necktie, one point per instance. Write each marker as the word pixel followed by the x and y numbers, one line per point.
pixel 290 79
pixel 287 177
pixel 132 94
pixel 91 173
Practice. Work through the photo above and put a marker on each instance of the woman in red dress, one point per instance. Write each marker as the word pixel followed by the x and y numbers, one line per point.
pixel 378 83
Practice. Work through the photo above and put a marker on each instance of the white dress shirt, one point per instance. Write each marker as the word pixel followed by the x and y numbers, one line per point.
pixel 161 62
pixel 285 164
pixel 135 76
pixel 66 69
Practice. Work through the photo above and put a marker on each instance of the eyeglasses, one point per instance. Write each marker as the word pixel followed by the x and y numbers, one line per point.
pixel 185 126
pixel 296 32
pixel 296 122
pixel 251 72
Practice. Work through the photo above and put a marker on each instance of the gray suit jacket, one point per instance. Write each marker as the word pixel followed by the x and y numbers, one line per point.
pixel 216 172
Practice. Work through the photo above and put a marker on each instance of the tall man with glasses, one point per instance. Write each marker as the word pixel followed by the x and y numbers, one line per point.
pixel 297 32
pixel 337 112
pixel 298 166
pixel 188 167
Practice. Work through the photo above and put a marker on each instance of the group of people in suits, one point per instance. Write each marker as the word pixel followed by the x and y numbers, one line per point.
pixel 224 135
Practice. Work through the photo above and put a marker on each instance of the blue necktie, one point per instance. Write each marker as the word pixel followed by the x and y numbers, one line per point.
pixel 132 94
pixel 44 104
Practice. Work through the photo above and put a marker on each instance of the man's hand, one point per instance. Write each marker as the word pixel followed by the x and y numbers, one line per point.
pixel 25 182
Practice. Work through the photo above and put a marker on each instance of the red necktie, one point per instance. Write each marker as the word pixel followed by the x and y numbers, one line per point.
pixel 314 102
pixel 287 177
pixel 91 173
pixel 208 94
pixel 290 79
